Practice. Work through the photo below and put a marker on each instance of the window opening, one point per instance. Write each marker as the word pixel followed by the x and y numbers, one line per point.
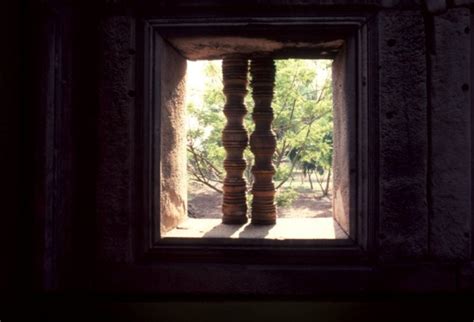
pixel 301 152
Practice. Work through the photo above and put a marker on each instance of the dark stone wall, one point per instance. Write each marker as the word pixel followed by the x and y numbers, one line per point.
pixel 403 217
pixel 115 138
pixel 11 126
pixel 450 112
pixel 78 131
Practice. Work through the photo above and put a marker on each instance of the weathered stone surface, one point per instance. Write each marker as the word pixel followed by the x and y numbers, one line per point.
pixel 410 78
pixel 463 2
pixel 115 139
pixel 238 279
pixel 173 175
pixel 421 277
pixel 466 277
pixel 403 212
pixel 472 134
pixel 344 157
pixel 251 4
pixel 436 6
pixel 215 47
pixel 450 221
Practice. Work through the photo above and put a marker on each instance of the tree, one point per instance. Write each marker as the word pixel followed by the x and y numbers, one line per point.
pixel 303 105
pixel 303 124
pixel 205 124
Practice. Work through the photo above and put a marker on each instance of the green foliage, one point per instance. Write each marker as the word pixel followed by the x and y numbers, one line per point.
pixel 282 172
pixel 303 123
pixel 285 197
pixel 205 124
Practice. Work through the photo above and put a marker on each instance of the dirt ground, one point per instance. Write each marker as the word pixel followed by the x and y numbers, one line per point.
pixel 204 202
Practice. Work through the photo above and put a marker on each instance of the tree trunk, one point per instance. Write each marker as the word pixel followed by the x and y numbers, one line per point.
pixel 328 180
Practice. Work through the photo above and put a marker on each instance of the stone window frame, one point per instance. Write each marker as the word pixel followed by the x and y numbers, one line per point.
pixel 363 213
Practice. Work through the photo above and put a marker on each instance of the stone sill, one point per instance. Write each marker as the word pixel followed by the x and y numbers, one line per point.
pixel 284 229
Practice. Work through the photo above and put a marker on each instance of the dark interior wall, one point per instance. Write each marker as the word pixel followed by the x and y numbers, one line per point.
pixel 116 87
pixel 403 211
pixel 449 68
pixel 472 128
pixel 11 139
pixel 62 57
pixel 75 131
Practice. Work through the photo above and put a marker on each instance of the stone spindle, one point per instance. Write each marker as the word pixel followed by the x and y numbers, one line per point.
pixel 234 139
pixel 263 141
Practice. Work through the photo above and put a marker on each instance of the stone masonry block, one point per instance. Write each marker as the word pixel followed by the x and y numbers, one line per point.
pixel 115 128
pixel 450 221
pixel 403 212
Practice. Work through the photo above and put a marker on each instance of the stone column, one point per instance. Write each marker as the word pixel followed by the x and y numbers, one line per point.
pixel 263 142
pixel 234 139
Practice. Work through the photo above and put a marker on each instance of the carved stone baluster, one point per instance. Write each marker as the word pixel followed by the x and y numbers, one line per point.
pixel 263 141
pixel 234 139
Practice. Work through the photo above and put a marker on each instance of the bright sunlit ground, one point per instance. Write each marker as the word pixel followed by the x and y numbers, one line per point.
pixel 285 228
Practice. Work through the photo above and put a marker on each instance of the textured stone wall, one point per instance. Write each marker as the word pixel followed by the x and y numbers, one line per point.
pixel 450 108
pixel 115 134
pixel 173 174
pixel 344 150
pixel 420 88
pixel 402 73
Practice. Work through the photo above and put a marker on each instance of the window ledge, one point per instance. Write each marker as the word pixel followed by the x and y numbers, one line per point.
pixel 285 228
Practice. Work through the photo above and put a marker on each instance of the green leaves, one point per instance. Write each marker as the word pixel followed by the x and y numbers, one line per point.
pixel 303 120
pixel 303 115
